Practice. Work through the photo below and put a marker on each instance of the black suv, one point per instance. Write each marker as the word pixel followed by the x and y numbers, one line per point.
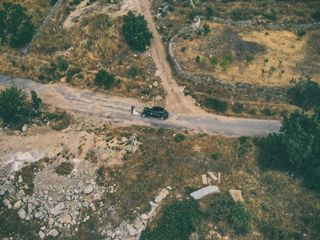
pixel 156 112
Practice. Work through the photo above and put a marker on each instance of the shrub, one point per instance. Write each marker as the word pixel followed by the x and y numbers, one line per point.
pixel 179 138
pixel 216 104
pixel 240 218
pixel 62 64
pixel 305 93
pixel 58 121
pixel 316 15
pixel 178 221
pixel 14 107
pixel 133 71
pixel 210 11
pixel 16 26
pixel 214 61
pixel 206 29
pixel 135 32
pixel 249 58
pixel 105 79
pixel 65 168
pixel 301 33
pixel 222 208
pixel 237 108
pixel 53 2
pixel 36 102
pixel 216 155
pixel 295 148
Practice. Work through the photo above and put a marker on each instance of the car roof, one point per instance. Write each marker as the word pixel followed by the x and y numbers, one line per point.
pixel 158 108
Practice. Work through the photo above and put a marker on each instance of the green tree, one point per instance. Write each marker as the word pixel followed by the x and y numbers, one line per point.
pixel 305 93
pixel 135 32
pixel 14 107
pixel 240 218
pixel 105 79
pixel 295 148
pixel 16 26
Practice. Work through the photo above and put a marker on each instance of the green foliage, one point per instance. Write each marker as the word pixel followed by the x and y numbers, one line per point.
pixel 305 93
pixel 133 71
pixel 58 121
pixel 301 33
pixel 62 64
pixel 226 61
pixel 179 137
pixel 222 208
pixel 216 104
pixel 36 102
pixel 135 32
pixel 178 221
pixel 53 2
pixel 105 79
pixel 14 107
pixel 249 57
pixel 65 168
pixel 316 15
pixel 214 61
pixel 237 108
pixel 206 29
pixel 210 12
pixel 16 26
pixel 295 148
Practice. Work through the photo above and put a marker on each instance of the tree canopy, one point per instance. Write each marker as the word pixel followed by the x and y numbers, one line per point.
pixel 16 26
pixel 135 32
pixel 296 148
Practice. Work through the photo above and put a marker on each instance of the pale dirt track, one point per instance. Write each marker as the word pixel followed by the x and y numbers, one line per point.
pixel 117 109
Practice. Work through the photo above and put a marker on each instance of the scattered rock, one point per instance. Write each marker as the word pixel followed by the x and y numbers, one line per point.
pixel 53 233
pixel 22 213
pixel 236 195
pixel 24 128
pixel 20 179
pixel 17 205
pixel 42 234
pixel 204 179
pixel 65 219
pixel 88 189
pixel 212 176
pixel 57 209
pixel 7 203
pixel 204 192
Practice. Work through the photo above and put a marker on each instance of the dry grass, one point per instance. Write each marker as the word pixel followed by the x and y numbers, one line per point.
pixel 277 65
pixel 274 199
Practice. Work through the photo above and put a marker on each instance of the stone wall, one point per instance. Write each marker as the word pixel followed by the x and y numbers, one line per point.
pixel 246 90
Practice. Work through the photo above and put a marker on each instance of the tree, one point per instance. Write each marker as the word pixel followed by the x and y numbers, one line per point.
pixel 36 102
pixel 305 93
pixel 135 32
pixel 105 79
pixel 16 26
pixel 14 107
pixel 295 148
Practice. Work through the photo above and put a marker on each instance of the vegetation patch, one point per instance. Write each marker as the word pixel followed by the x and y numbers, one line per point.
pixel 65 168
pixel 178 221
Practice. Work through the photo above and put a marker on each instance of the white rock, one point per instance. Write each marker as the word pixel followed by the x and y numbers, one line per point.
pixel 204 179
pixel 144 216
pixel 204 192
pixel 53 233
pixel 17 205
pixel 236 195
pixel 65 219
pixel 213 176
pixel 24 128
pixel 57 209
pixel 38 215
pixel 132 231
pixel 42 235
pixel 22 213
pixel 20 179
pixel 88 189
pixel 7 203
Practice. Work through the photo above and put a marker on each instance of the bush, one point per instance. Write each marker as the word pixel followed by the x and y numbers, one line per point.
pixel 301 33
pixel 179 138
pixel 210 11
pixel 62 64
pixel 135 32
pixel 316 15
pixel 295 148
pixel 16 26
pixel 178 221
pixel 305 93
pixel 222 208
pixel 216 104
pixel 214 61
pixel 36 102
pixel 105 79
pixel 53 2
pixel 237 108
pixel 133 72
pixel 65 168
pixel 14 107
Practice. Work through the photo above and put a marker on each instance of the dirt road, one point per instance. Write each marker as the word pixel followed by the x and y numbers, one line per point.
pixel 117 109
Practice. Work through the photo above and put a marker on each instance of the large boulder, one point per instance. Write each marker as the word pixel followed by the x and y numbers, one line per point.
pixel 204 192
